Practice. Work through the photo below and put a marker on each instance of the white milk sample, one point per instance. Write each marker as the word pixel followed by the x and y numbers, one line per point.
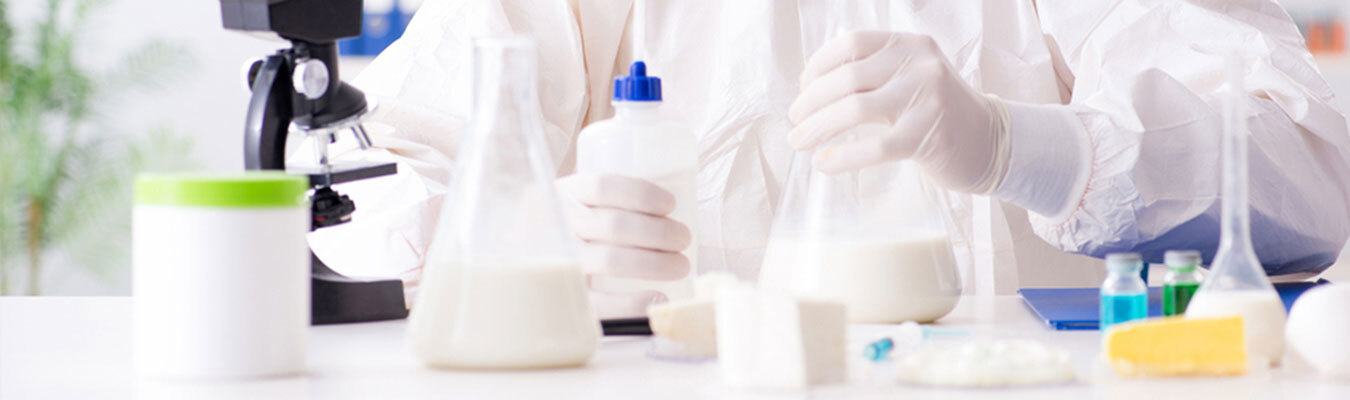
pixel 532 315
pixel 910 277
pixel 1262 318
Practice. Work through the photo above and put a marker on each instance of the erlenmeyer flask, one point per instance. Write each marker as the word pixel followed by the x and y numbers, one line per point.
pixel 1237 284
pixel 875 239
pixel 502 287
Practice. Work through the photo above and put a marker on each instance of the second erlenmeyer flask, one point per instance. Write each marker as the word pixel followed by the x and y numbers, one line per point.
pixel 502 286
pixel 874 239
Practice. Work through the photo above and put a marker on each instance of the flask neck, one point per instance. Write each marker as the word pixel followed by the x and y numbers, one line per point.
pixel 1235 224
pixel 504 93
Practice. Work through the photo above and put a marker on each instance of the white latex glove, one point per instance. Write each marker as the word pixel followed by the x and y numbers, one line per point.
pixel 625 232
pixel 904 83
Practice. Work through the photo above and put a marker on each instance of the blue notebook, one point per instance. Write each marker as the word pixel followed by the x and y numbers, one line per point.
pixel 1077 308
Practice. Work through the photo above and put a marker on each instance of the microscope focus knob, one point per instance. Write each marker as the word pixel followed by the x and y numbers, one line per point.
pixel 310 78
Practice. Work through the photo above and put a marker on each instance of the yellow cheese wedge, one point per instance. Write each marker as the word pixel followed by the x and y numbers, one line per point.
pixel 1177 346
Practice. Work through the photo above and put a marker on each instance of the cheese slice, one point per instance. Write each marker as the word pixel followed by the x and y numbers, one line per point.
pixel 687 323
pixel 772 340
pixel 1177 346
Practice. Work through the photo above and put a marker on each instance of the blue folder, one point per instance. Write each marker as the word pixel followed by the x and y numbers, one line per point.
pixel 1077 308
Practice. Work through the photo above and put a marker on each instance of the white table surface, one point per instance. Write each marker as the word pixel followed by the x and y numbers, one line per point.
pixel 81 348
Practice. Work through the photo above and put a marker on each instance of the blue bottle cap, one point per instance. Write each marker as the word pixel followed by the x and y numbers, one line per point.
pixel 637 86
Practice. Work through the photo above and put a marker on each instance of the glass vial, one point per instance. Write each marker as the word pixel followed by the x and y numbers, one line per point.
pixel 1182 280
pixel 502 286
pixel 1124 296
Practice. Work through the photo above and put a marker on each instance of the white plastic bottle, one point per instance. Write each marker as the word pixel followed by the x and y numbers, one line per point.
pixel 638 142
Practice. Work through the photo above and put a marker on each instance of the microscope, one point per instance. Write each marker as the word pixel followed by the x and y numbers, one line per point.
pixel 298 90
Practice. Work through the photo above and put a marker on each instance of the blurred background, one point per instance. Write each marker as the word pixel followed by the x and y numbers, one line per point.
pixel 94 91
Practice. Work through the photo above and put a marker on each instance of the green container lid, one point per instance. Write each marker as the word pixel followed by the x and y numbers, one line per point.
pixel 230 190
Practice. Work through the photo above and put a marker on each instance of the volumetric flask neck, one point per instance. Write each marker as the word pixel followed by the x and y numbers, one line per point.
pixel 1235 265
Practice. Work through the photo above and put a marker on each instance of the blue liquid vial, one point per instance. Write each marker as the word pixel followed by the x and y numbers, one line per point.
pixel 1124 293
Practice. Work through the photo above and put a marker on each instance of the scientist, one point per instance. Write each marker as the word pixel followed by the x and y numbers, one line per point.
pixel 1093 124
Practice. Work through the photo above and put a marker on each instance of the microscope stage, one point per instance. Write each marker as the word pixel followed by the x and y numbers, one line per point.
pixel 344 172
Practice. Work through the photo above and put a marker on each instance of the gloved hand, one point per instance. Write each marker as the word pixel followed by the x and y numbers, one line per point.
pixel 625 232
pixel 904 83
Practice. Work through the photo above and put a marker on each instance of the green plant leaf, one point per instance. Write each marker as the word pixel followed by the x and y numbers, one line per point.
pixel 57 158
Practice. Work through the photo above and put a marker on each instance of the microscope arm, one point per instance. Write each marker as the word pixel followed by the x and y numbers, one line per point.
pixel 269 115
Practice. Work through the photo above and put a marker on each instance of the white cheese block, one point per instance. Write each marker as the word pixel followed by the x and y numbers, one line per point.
pixel 772 340
pixel 687 323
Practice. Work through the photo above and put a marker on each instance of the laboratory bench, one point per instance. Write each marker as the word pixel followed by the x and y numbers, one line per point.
pixel 80 347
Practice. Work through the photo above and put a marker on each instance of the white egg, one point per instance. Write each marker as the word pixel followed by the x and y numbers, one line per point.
pixel 1318 329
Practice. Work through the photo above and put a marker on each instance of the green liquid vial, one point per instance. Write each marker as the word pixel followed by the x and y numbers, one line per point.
pixel 1176 297
pixel 1181 281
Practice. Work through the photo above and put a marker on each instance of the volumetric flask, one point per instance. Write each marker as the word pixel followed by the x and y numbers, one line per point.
pixel 874 239
pixel 1237 284
pixel 502 286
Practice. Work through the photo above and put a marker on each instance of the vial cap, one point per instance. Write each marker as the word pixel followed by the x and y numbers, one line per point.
pixel 1182 260
pixel 637 86
pixel 1124 262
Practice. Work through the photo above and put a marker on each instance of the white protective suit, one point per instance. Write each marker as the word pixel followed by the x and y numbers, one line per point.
pixel 1120 100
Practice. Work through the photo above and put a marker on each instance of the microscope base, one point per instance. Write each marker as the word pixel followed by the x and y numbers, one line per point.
pixel 337 299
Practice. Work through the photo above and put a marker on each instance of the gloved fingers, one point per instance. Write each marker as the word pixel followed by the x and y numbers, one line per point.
pixel 855 46
pixel 835 118
pixel 898 96
pixel 855 77
pixel 617 191
pixel 626 228
pixel 908 135
pixel 841 50
pixel 624 305
pixel 629 262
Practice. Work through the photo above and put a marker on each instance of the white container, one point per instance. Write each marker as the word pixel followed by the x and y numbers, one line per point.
pixel 221 275
pixel 638 142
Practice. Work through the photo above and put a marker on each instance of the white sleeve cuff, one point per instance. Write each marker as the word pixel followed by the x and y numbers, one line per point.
pixel 1050 160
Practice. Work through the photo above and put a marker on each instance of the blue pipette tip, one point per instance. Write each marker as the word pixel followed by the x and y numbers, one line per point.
pixel 879 349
